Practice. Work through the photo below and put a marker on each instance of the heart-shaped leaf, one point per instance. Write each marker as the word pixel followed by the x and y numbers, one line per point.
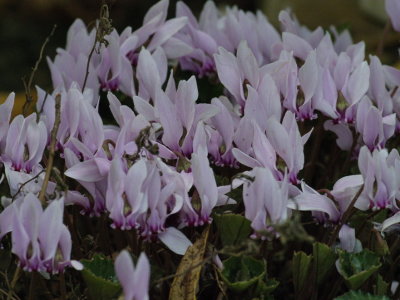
pixel 100 278
pixel 358 295
pixel 301 268
pixel 356 268
pixel 241 272
pixel 232 228
pixel 324 259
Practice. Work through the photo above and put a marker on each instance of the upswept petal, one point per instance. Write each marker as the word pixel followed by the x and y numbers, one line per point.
pixel 171 125
pixel 88 171
pixel 125 272
pixel 299 46
pixel 147 74
pixel 175 240
pixel 248 64
pixel 357 84
pixel 393 10
pixel 228 72
pixel 50 228
pixel 390 221
pixel 308 76
pixel 166 31
pixel 142 277
pixel 133 185
pixel 311 200
pixel 347 237
pixel 344 136
pixel 204 181
pixel 345 189
pixel 5 115
pixel 245 159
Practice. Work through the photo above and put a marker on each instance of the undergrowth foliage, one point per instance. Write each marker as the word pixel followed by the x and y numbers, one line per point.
pixel 210 157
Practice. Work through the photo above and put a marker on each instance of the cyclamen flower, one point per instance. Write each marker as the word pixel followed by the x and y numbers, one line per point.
pixel 265 200
pixel 22 144
pixel 348 241
pixel 39 238
pixel 308 79
pixel 69 65
pixel 114 70
pixel 145 205
pixel 151 72
pixel 93 170
pixel 393 10
pixel 80 119
pixel 25 143
pixel 381 184
pixel 124 206
pixel 291 25
pixel 321 206
pixel 111 69
pixel 261 153
pixel 236 72
pixel 378 91
pixel 378 180
pixel 5 116
pixel 285 138
pixel 200 60
pixel 24 183
pixel 375 128
pixel 177 112
pixel 156 32
pixel 344 135
pixel 158 192
pixel 263 147
pixel 391 221
pixel 206 187
pixel 354 88
pixel 228 30
pixel 333 78
pixel 92 175
pixel 263 103
pixel 134 279
pixel 222 131
pixel 345 189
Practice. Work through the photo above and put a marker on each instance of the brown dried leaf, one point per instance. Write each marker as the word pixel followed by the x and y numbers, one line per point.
pixel 187 275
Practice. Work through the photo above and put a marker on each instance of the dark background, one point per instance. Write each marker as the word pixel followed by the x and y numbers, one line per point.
pixel 25 24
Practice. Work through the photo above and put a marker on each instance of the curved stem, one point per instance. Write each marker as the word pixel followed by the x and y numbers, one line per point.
pixel 13 282
pixel 346 216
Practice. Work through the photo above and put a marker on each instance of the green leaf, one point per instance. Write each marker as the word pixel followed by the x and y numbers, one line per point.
pixel 358 295
pixel 236 194
pixel 100 278
pixel 381 286
pixel 324 259
pixel 378 244
pixel 300 267
pixel 232 228
pixel 356 268
pixel 241 272
pixel 265 288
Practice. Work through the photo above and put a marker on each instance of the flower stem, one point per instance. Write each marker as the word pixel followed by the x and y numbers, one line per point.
pixel 13 282
pixel 346 216
pixel 53 140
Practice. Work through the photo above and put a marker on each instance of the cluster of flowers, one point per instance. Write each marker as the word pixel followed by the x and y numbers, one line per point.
pixel 155 161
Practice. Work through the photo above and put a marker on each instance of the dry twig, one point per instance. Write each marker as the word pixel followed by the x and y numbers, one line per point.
pixel 28 85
